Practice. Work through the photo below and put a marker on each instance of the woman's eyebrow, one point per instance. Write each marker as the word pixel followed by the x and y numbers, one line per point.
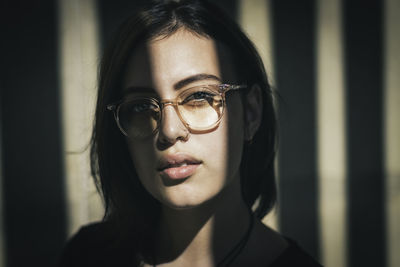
pixel 178 85
pixel 195 78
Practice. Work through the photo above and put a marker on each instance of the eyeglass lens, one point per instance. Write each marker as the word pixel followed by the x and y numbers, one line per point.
pixel 200 108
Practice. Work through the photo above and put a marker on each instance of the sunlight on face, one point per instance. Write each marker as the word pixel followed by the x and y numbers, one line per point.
pixel 179 168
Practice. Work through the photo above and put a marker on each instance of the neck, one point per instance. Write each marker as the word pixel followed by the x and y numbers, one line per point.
pixel 203 235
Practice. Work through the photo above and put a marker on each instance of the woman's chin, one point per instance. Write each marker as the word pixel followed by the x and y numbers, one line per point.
pixel 184 200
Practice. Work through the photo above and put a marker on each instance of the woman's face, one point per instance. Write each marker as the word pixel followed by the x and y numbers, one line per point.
pixel 180 168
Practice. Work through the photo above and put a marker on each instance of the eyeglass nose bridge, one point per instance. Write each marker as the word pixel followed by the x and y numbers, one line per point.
pixel 168 102
pixel 174 103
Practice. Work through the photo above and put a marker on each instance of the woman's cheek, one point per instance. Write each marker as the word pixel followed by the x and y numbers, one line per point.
pixel 143 158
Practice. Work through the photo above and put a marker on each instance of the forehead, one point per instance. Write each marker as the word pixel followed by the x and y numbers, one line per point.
pixel 161 62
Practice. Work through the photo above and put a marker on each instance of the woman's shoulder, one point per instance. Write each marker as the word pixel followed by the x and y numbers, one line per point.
pixel 92 236
pixel 294 255
pixel 267 247
pixel 92 245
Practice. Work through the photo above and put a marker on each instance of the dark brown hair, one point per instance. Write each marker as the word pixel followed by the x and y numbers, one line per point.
pixel 125 199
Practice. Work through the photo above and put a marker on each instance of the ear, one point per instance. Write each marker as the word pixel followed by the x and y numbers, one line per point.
pixel 253 106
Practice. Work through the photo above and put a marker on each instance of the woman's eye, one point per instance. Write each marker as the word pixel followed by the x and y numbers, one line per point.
pixel 199 97
pixel 142 107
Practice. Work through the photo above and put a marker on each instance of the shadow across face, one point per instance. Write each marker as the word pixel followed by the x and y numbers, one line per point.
pixel 195 175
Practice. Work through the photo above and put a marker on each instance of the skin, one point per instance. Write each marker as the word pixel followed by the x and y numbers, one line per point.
pixel 203 216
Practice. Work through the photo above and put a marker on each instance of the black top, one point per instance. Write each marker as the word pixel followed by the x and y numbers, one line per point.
pixel 91 247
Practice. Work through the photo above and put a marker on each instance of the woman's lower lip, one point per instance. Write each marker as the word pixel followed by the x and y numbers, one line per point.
pixel 180 172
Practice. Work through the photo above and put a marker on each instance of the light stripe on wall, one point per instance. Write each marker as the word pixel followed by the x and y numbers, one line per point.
pixel 331 133
pixel 392 129
pixel 255 18
pixel 79 46
pixel 2 230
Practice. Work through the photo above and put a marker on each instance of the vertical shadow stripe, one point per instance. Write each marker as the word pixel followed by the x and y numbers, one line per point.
pixel 32 170
pixel 294 45
pixel 366 210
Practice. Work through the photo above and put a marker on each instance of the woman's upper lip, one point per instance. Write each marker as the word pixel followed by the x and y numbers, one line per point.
pixel 175 160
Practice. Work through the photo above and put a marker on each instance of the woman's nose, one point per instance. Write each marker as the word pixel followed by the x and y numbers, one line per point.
pixel 171 128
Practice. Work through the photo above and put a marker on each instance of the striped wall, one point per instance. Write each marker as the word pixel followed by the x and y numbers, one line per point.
pixel 334 63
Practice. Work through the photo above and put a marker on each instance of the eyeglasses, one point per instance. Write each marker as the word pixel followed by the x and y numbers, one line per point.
pixel 200 109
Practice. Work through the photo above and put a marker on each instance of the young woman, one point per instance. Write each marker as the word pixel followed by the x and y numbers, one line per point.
pixel 183 147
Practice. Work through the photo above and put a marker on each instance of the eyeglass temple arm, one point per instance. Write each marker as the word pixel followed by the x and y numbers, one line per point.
pixel 228 87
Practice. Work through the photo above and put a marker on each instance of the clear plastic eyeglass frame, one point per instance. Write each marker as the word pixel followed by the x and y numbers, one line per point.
pixel 221 89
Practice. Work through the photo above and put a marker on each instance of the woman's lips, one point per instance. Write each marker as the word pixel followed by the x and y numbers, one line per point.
pixel 180 172
pixel 178 166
